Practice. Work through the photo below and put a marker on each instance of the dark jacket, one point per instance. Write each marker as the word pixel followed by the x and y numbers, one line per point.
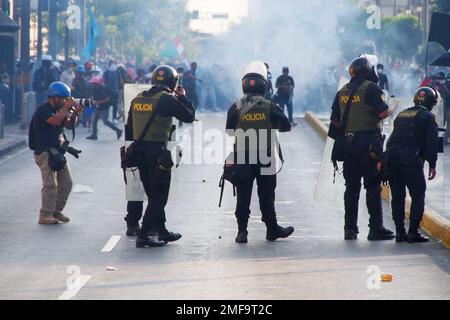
pixel 415 138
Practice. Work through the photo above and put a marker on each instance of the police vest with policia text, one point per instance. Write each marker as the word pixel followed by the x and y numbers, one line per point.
pixel 254 121
pixel 141 111
pixel 362 117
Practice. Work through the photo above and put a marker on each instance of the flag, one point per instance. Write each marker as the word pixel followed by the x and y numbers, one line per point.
pixel 180 50
pixel 94 32
pixel 439 29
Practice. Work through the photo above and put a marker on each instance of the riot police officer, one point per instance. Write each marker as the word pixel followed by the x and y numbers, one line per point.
pixel 357 111
pixel 413 141
pixel 254 112
pixel 167 99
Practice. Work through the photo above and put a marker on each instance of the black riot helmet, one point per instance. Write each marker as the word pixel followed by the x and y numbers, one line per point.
pixel 363 68
pixel 165 77
pixel 255 78
pixel 427 97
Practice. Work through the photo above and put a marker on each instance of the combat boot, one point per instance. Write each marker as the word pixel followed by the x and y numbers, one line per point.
pixel 278 232
pixel 133 230
pixel 383 230
pixel 167 236
pixel 61 217
pixel 47 218
pixel 242 237
pixel 350 234
pixel 376 235
pixel 416 238
pixel 148 242
pixel 401 237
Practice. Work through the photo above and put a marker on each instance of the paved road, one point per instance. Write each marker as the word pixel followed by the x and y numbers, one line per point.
pixel 206 264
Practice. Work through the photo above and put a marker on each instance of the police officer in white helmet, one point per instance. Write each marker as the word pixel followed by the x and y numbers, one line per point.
pixel 255 116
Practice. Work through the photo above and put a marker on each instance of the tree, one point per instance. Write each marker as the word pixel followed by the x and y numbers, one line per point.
pixel 400 37
pixel 142 29
pixel 443 6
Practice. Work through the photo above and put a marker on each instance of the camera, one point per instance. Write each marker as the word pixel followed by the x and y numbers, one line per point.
pixel 83 103
pixel 72 151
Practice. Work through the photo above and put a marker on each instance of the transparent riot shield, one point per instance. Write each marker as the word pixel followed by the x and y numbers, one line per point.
pixel 330 186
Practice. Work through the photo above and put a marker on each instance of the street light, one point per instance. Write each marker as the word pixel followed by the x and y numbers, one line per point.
pixel 419 14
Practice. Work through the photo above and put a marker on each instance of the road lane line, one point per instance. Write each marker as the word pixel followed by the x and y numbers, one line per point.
pixel 72 291
pixel 112 242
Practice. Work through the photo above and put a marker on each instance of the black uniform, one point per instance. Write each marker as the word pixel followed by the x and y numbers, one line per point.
pixel 413 141
pixel 363 133
pixel 156 181
pixel 276 119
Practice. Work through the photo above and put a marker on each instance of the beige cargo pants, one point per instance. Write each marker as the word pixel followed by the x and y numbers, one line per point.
pixel 56 186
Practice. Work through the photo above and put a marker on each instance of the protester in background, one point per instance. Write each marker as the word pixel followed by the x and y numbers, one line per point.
pixel 112 82
pixel 140 77
pixel 101 98
pixel 43 77
pixel 68 75
pixel 269 91
pixel 80 90
pixel 190 84
pixel 383 83
pixel 285 85
pixel 447 109
pixel 4 90
pixel 207 93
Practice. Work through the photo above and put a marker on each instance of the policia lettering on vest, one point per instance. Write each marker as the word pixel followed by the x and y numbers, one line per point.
pixel 357 114
pixel 254 116
pixel 167 100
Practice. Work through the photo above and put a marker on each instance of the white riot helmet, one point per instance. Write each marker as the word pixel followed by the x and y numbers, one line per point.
pixel 255 78
pixel 374 61
pixel 256 68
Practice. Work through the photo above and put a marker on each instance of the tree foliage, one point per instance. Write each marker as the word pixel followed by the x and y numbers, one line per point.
pixel 143 29
pixel 443 6
pixel 400 36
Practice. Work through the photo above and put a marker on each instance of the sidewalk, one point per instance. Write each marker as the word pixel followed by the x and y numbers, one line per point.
pixel 14 138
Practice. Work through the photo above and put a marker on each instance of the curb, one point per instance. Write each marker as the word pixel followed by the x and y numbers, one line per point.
pixel 432 222
pixel 11 146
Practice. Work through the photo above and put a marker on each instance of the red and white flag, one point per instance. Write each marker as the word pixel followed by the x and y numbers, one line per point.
pixel 180 50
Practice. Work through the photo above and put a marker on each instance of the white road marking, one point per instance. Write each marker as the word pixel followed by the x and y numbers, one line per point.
pixel 112 242
pixel 79 188
pixel 285 202
pixel 309 237
pixel 73 291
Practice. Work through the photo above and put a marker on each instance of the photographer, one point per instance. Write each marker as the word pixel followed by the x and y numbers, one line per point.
pixel 47 140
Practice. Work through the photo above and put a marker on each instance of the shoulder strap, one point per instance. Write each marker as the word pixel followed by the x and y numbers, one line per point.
pixel 344 122
pixel 149 123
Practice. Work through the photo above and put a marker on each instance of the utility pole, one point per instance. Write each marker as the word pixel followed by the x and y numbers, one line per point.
pixel 25 44
pixel 81 43
pixel 53 28
pixel 39 26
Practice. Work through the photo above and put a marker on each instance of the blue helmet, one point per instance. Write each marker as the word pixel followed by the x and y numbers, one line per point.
pixel 80 69
pixel 59 89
